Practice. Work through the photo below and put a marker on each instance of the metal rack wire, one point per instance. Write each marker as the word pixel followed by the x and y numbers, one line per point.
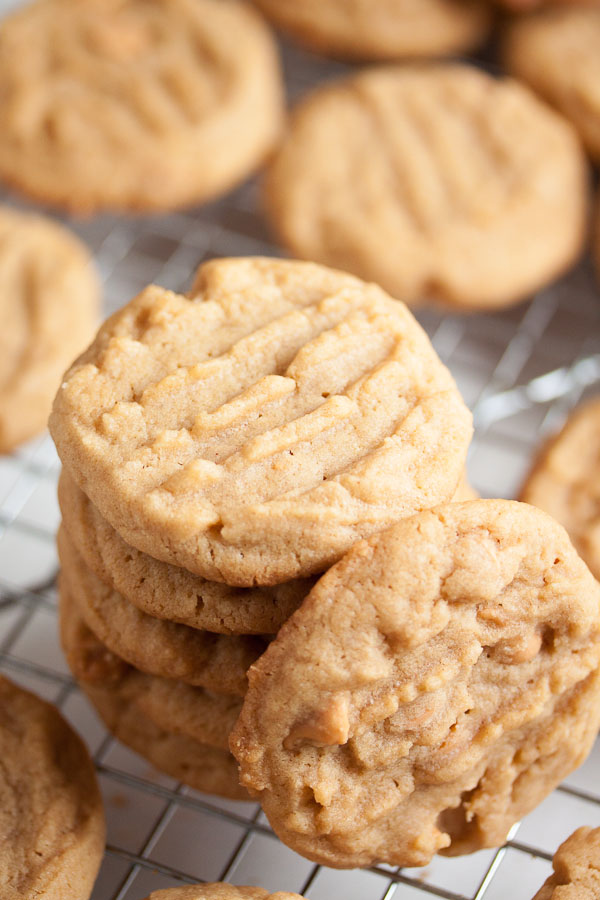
pixel 520 371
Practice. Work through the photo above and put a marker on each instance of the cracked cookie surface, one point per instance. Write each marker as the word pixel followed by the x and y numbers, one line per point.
pixel 51 814
pixel 385 29
pixel 135 104
pixel 254 429
pixel 400 174
pixel 49 303
pixel 565 481
pixel 435 685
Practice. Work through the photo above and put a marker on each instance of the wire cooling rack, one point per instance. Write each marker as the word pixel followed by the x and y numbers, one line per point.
pixel 520 371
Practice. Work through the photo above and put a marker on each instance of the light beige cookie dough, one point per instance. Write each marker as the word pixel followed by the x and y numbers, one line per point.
pixel 51 816
pixel 425 179
pixel 214 661
pixel 135 105
pixel 382 29
pixel 557 52
pixel 253 430
pixel 169 592
pixel 576 866
pixel 565 481
pixel 49 305
pixel 432 689
pixel 220 891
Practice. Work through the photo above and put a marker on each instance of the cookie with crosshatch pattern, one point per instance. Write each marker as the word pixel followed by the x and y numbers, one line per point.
pixel 384 29
pixel 576 866
pixel 254 429
pixel 218 662
pixel 425 178
pixel 557 52
pixel 565 481
pixel 135 104
pixel 435 685
pixel 51 814
pixel 163 734
pixel 49 305
pixel 220 891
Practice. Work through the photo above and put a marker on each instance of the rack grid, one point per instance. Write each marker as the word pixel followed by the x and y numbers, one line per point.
pixel 520 370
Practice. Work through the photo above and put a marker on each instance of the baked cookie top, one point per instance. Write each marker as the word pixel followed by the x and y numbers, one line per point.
pixel 434 686
pixel 254 429
pixel 51 814
pixel 557 52
pixel 169 592
pixel 565 481
pixel 49 303
pixel 382 29
pixel 220 891
pixel 171 705
pixel 424 179
pixel 217 662
pixel 135 104
pixel 576 866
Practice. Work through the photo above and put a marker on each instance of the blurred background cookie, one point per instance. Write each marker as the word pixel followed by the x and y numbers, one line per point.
pixel 576 866
pixel 135 105
pixel 220 892
pixel 49 305
pixel 557 52
pixel 426 180
pixel 382 29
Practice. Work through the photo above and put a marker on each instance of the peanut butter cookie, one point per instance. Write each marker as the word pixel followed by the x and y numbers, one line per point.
pixel 253 430
pixel 424 179
pixel 382 29
pixel 168 592
pixel 576 868
pixel 51 814
pixel 565 481
pixel 214 661
pixel 49 303
pixel 130 104
pixel 432 689
pixel 557 52
pixel 220 891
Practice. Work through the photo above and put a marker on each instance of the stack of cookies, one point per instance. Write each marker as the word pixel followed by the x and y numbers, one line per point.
pixel 221 450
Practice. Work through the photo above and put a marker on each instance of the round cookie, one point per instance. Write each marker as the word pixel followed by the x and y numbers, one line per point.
pixel 172 706
pixel 432 689
pixel 402 174
pixel 51 814
pixel 382 29
pixel 565 481
pixel 126 104
pixel 220 891
pixel 169 592
pixel 576 866
pixel 49 303
pixel 557 52
pixel 254 429
pixel 213 661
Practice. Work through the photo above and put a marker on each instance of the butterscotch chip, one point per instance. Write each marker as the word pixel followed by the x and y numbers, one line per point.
pixel 51 814
pixel 49 302
pixel 425 179
pixel 253 430
pixel 214 661
pixel 169 592
pixel 135 105
pixel 172 706
pixel 576 866
pixel 557 52
pixel 432 689
pixel 384 29
pixel 565 481
pixel 220 891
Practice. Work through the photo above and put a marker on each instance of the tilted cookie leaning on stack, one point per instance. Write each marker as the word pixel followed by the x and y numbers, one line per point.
pixel 220 449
